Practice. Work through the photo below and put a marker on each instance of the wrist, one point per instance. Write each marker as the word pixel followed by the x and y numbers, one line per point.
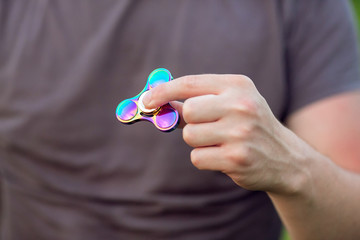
pixel 307 170
pixel 302 163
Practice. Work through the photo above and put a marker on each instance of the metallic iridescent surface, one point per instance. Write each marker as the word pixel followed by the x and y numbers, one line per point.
pixel 165 118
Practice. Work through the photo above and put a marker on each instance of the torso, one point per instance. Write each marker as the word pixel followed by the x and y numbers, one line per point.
pixel 65 156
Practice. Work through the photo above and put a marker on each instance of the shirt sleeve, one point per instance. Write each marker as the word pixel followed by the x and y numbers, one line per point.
pixel 321 51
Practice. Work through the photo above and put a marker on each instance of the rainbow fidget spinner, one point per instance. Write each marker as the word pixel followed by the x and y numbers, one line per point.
pixel 165 118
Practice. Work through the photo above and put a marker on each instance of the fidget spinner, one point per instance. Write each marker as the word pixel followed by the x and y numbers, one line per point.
pixel 165 118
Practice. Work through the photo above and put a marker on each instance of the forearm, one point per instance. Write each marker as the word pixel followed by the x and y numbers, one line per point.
pixel 325 202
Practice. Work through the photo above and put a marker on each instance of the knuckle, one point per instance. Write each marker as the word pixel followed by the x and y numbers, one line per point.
pixel 188 110
pixel 190 82
pixel 248 101
pixel 241 81
pixel 238 179
pixel 235 134
pixel 246 81
pixel 241 132
pixel 250 106
pixel 238 155
pixel 246 106
pixel 234 81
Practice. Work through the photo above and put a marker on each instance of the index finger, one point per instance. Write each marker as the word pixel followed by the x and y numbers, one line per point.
pixel 183 88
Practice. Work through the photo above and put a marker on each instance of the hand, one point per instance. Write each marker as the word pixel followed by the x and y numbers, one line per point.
pixel 233 130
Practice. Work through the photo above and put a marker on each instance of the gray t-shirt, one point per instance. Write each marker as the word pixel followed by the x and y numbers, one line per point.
pixel 71 171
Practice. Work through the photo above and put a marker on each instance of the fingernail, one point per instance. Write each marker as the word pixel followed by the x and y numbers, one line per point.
pixel 147 99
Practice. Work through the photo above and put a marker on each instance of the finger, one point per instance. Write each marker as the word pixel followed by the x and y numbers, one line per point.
pixel 184 88
pixel 210 158
pixel 205 108
pixel 202 135
pixel 179 107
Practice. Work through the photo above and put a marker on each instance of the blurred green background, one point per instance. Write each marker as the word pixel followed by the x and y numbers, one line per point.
pixel 356 4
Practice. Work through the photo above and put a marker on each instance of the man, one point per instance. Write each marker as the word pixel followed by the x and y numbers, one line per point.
pixel 71 171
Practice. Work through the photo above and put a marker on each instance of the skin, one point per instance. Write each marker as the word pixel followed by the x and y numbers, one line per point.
pixel 309 168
